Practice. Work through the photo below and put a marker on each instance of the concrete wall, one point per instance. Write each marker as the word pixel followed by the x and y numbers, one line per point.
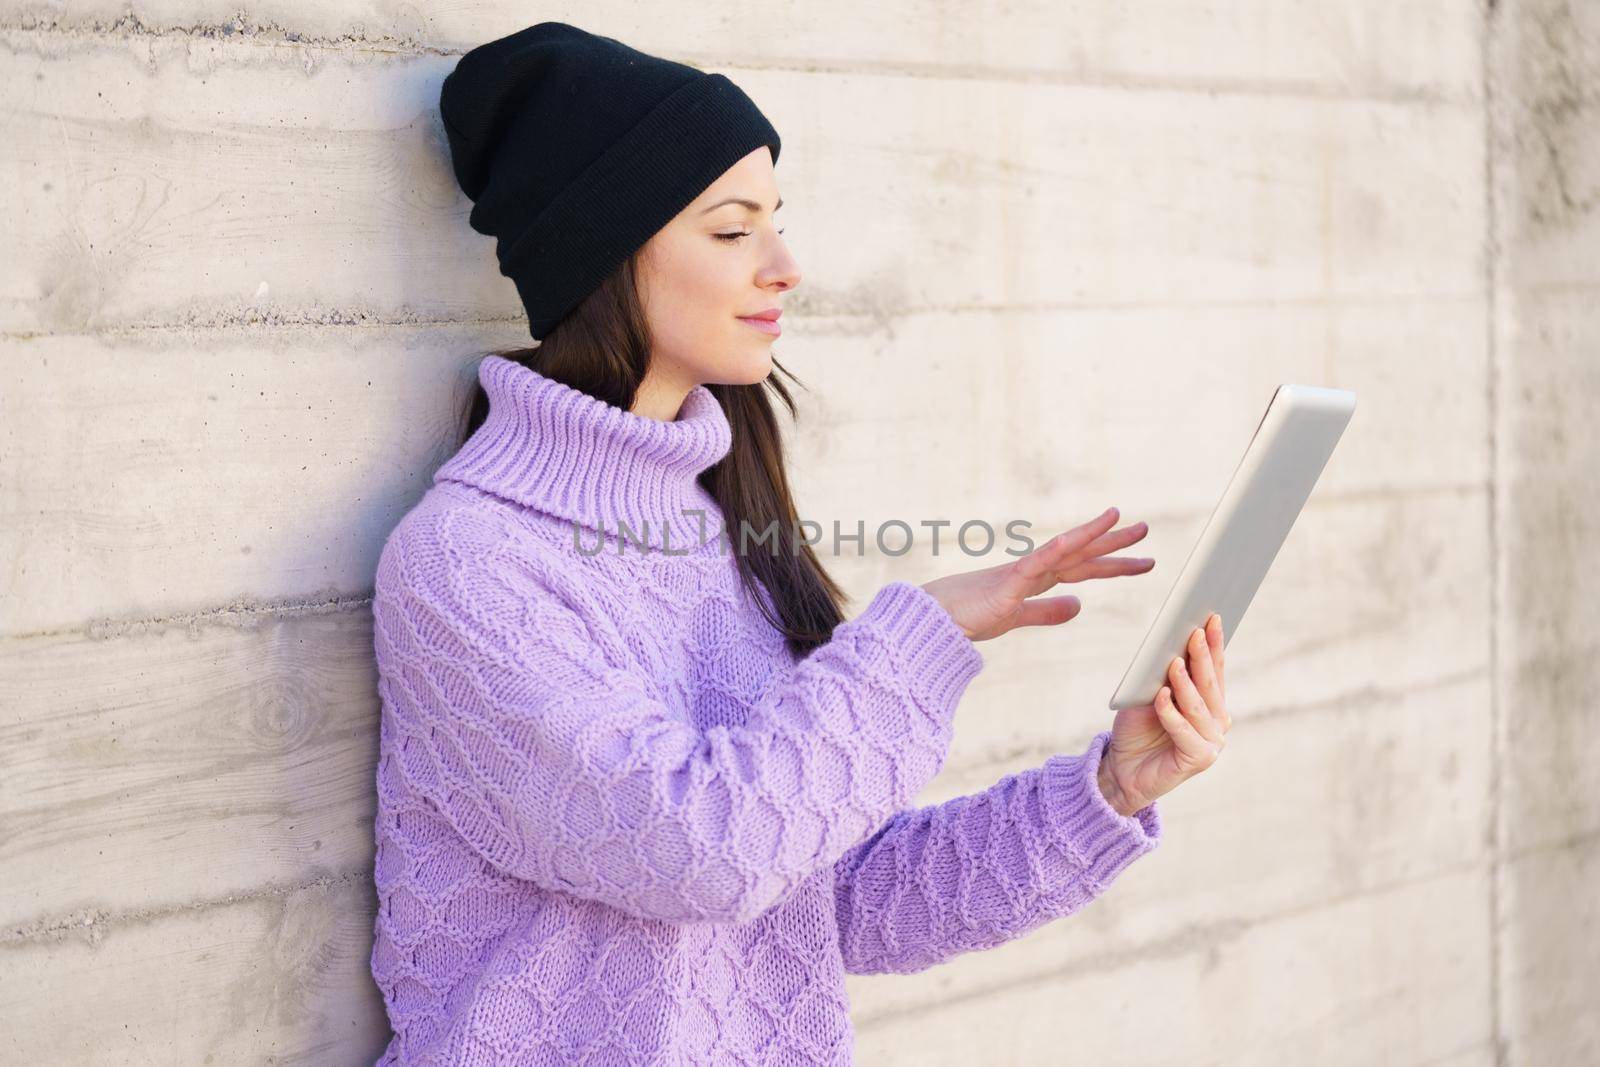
pixel 1056 256
pixel 1545 904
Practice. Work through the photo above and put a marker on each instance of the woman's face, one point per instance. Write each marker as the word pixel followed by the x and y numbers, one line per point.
pixel 716 261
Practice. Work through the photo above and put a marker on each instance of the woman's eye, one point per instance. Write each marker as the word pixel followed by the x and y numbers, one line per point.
pixel 732 237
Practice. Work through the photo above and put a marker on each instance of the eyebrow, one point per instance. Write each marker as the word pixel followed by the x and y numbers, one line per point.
pixel 750 204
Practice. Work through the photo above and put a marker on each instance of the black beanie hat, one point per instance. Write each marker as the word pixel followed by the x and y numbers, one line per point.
pixel 576 149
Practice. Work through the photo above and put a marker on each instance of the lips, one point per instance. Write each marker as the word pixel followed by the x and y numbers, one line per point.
pixel 765 325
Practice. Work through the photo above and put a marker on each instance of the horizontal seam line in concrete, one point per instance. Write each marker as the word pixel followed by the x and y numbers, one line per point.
pixel 1575 286
pixel 1267 87
pixel 1174 945
pixel 248 614
pixel 365 321
pixel 88 920
pixel 1183 942
pixel 1321 501
pixel 272 36
pixel 235 615
pixel 1347 700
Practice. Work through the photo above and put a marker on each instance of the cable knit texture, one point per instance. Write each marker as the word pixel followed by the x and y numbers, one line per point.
pixel 618 821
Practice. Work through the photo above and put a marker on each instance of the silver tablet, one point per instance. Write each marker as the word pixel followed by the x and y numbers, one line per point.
pixel 1281 464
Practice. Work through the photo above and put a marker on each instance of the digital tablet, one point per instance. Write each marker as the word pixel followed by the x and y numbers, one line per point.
pixel 1291 445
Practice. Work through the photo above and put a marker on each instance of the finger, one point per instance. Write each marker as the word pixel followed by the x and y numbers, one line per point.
pixel 1047 610
pixel 1050 554
pixel 1202 673
pixel 1190 701
pixel 1214 638
pixel 1103 544
pixel 1194 749
pixel 1115 539
pixel 1109 567
pixel 1068 565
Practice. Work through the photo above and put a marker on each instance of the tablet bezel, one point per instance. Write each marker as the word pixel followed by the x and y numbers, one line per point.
pixel 1260 504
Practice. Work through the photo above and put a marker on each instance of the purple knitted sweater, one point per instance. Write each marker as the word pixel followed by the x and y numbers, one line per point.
pixel 618 821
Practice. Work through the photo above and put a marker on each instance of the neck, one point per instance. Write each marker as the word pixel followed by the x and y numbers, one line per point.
pixel 626 475
pixel 660 399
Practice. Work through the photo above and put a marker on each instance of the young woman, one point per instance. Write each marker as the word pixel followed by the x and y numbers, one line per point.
pixel 644 795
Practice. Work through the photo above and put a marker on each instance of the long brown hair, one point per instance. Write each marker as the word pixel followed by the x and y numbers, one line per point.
pixel 602 347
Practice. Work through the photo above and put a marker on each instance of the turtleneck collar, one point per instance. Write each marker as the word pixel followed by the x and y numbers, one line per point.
pixel 559 450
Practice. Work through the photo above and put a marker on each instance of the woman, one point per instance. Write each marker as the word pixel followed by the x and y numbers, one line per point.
pixel 644 795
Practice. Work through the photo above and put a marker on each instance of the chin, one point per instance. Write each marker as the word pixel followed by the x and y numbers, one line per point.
pixel 763 368
pixel 750 370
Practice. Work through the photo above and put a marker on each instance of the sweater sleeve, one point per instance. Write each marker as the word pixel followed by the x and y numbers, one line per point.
pixel 980 870
pixel 562 768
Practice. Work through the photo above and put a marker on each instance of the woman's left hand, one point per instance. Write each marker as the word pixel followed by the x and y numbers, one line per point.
pixel 1156 746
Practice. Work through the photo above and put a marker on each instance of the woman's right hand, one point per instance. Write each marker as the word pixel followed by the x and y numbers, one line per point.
pixel 989 602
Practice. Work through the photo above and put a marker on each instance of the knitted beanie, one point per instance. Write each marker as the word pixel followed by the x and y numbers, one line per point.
pixel 576 149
